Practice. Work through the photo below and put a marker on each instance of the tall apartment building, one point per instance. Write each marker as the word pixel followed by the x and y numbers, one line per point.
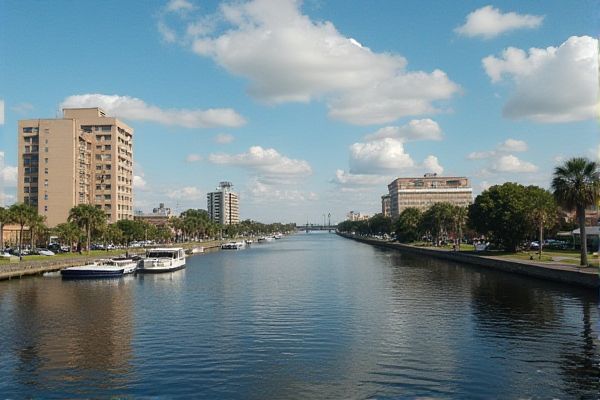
pixel 223 205
pixel 386 205
pixel 85 157
pixel 422 192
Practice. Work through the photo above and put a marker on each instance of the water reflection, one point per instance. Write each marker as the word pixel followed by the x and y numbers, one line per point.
pixel 67 333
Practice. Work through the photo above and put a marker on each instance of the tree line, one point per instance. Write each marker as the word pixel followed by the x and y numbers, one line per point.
pixel 507 215
pixel 87 224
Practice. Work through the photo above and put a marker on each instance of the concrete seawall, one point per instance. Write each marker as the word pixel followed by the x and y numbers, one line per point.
pixel 555 272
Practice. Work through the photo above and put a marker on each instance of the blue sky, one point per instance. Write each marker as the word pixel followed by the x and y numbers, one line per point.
pixel 310 107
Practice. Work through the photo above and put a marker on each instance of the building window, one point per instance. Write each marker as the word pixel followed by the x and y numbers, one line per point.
pixel 106 128
pixel 46 196
pixel 27 129
pixel 46 170
pixel 45 149
pixel 45 208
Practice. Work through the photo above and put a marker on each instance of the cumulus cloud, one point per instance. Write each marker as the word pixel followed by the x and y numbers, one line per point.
pixel 136 109
pixel 432 164
pixel 417 129
pixel 266 162
pixel 344 178
pixel 377 156
pixel 186 192
pixel 167 34
pixel 552 85
pixel 510 163
pixel 179 5
pixel 488 22
pixel 287 57
pixel 501 161
pixel 139 183
pixel 193 158
pixel 224 138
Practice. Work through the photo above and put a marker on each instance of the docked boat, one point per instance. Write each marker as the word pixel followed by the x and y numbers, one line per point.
pixel 233 246
pixel 111 268
pixel 163 260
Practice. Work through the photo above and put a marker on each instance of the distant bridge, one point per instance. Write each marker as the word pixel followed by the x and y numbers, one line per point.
pixel 316 227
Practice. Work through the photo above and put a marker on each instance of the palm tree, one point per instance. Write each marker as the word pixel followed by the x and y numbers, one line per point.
pixel 22 214
pixel 87 217
pixel 68 233
pixel 5 218
pixel 576 184
pixel 36 225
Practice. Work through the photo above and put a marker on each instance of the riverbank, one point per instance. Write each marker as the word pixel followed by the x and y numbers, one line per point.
pixel 564 273
pixel 38 266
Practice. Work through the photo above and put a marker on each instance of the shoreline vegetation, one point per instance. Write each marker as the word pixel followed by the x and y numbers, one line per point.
pixel 553 271
pixel 513 220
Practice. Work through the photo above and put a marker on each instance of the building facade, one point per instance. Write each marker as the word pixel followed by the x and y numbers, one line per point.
pixel 85 157
pixel 423 192
pixel 223 205
pixel 159 216
pixel 386 204
pixel 356 216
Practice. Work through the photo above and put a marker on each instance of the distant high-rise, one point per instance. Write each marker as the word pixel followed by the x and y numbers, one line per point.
pixel 386 203
pixel 84 157
pixel 422 192
pixel 223 205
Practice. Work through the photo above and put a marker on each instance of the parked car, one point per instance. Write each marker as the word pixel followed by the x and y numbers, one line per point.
pixel 44 252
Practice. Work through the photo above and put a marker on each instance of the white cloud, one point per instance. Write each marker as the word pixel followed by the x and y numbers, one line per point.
pixel 168 34
pixel 224 138
pixel 9 175
pixel 1 112
pixel 432 164
pixel 508 146
pixel 552 85
pixel 136 109
pixel 179 5
pixel 379 156
pixel 344 178
pixel 265 193
pixel 510 163
pixel 513 145
pixel 267 162
pixel 287 57
pixel 193 158
pixel 501 161
pixel 139 183
pixel 186 193
pixel 488 22
pixel 417 129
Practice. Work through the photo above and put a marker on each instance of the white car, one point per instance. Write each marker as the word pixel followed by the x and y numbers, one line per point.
pixel 45 252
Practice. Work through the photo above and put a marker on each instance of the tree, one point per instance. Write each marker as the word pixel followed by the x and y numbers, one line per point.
pixel 87 217
pixel 437 219
pixel 5 218
pixel 543 212
pixel 459 218
pixel 132 230
pixel 408 225
pixel 501 213
pixel 36 226
pixel 576 186
pixel 380 224
pixel 22 214
pixel 67 233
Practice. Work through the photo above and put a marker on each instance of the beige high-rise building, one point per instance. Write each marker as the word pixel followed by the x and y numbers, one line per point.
pixel 85 157
pixel 422 192
pixel 386 203
pixel 223 205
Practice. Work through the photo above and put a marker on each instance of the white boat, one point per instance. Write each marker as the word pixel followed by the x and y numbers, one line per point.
pixel 197 250
pixel 163 260
pixel 277 236
pixel 110 268
pixel 233 246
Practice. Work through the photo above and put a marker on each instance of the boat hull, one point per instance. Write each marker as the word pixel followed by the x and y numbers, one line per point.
pixel 90 274
pixel 159 270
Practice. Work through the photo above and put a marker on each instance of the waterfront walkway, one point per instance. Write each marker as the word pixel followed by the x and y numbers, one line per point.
pixel 555 271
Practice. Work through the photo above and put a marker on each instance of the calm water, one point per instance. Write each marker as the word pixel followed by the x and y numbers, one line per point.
pixel 309 316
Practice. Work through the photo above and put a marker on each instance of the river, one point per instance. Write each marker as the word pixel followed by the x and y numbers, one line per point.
pixel 309 316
